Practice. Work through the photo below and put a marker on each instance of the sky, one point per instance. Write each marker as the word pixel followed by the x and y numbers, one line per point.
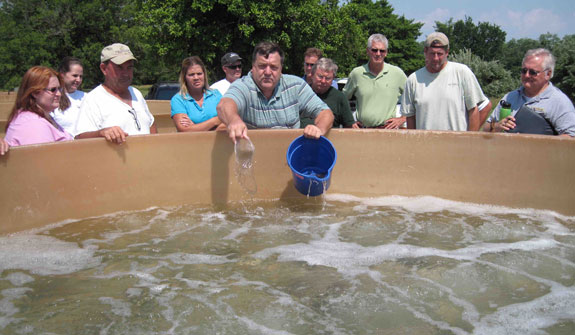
pixel 518 18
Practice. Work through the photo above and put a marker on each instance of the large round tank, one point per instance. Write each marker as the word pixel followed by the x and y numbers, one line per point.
pixel 47 183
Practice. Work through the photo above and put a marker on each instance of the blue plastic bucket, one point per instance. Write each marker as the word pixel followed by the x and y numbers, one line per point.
pixel 311 162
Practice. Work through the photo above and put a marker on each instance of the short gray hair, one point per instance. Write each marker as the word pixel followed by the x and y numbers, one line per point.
pixel 325 64
pixel 376 38
pixel 548 58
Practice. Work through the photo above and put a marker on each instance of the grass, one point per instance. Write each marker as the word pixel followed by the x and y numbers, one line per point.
pixel 143 88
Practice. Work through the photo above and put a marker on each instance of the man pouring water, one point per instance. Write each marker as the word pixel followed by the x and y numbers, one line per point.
pixel 266 98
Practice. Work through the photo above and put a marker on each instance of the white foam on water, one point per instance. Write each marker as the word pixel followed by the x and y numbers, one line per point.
pixel 260 328
pixel 119 307
pixel 197 284
pixel 427 204
pixel 213 217
pixel 470 313
pixel 237 232
pixel 18 278
pixel 68 221
pixel 7 308
pixel 44 255
pixel 134 292
pixel 161 215
pixel 352 259
pixel 530 317
pixel 183 258
pixel 146 277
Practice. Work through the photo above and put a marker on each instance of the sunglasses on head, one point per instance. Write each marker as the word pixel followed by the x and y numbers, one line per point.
pixel 234 67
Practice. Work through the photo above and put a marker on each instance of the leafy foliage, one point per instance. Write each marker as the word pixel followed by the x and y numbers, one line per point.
pixel 494 79
pixel 484 43
pixel 564 76
pixel 485 40
pixel 37 32
pixel 378 17
pixel 513 52
pixel 162 33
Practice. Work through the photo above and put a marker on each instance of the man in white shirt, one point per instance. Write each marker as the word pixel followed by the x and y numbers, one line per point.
pixel 232 66
pixel 443 95
pixel 115 109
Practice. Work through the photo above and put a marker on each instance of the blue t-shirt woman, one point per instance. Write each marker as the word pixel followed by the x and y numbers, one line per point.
pixel 194 107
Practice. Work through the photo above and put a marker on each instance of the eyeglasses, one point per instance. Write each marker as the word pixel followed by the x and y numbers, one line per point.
pixel 234 67
pixel 135 115
pixel 380 50
pixel 309 64
pixel 326 78
pixel 53 90
pixel 532 72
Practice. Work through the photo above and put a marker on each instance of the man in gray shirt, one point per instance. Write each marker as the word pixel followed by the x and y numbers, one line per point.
pixel 536 96
pixel 443 95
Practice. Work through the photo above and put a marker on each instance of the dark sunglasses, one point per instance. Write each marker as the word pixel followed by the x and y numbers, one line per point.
pixel 380 50
pixel 234 67
pixel 532 72
pixel 309 64
pixel 133 112
pixel 53 90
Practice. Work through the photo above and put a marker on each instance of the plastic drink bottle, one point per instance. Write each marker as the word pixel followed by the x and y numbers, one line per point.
pixel 505 110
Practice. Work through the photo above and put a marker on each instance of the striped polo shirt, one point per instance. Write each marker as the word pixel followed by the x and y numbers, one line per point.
pixel 291 98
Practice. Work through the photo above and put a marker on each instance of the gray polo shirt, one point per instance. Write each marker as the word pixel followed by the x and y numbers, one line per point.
pixel 552 104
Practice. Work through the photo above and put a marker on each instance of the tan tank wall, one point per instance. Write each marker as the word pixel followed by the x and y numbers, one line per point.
pixel 7 96
pixel 5 109
pixel 48 183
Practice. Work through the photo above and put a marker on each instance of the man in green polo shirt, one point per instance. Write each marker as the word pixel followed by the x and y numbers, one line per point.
pixel 377 87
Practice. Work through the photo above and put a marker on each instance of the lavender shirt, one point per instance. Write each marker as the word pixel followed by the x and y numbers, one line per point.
pixel 29 128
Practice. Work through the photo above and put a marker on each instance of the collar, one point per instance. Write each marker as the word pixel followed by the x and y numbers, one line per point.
pixel 366 70
pixel 206 94
pixel 447 64
pixel 324 95
pixel 276 92
pixel 546 94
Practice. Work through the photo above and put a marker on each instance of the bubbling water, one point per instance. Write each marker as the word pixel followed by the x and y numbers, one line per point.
pixel 343 265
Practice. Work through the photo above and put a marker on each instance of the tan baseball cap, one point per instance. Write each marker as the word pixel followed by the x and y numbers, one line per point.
pixel 437 39
pixel 118 53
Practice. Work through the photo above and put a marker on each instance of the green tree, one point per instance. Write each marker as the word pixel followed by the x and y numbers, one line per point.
pixel 175 29
pixel 494 79
pixel 564 76
pixel 162 33
pixel 485 40
pixel 377 17
pixel 513 52
pixel 37 32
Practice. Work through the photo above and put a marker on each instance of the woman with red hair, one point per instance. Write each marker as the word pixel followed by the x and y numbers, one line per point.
pixel 40 93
